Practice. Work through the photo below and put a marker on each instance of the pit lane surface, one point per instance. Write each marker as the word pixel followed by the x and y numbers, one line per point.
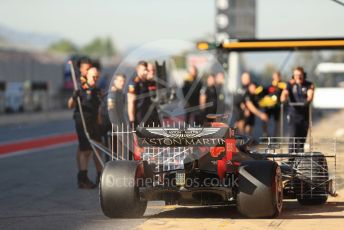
pixel 38 191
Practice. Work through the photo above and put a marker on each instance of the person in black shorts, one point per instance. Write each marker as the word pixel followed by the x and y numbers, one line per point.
pixel 252 108
pixel 191 92
pixel 89 96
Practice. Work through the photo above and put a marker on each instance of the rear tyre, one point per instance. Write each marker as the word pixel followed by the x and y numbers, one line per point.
pixel 118 191
pixel 312 180
pixel 260 190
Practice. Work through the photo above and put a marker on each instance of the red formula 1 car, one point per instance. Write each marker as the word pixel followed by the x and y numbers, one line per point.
pixel 210 165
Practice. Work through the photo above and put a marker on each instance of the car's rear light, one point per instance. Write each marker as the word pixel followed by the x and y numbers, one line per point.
pixel 230 148
pixel 216 151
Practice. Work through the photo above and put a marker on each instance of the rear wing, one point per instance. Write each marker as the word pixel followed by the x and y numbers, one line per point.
pixel 184 137
pixel 168 148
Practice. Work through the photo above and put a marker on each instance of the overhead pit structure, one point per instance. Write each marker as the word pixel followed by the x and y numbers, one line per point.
pixel 233 47
pixel 274 44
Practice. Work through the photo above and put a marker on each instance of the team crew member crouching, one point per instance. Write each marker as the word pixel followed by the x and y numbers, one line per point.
pixel 90 100
pixel 300 94
pixel 271 103
pixel 252 108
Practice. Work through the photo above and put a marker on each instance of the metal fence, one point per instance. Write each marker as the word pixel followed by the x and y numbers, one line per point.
pixel 124 145
pixel 314 162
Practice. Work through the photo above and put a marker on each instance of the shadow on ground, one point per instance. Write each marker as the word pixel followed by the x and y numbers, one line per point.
pixel 291 210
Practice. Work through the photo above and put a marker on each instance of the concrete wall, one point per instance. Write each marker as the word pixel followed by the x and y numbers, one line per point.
pixel 22 66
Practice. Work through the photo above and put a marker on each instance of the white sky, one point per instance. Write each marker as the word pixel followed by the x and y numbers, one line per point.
pixel 132 22
pixel 135 22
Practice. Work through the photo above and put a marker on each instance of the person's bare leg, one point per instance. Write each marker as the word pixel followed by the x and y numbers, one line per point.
pixel 84 158
pixel 83 180
pixel 265 128
pixel 98 166
pixel 241 126
pixel 97 163
pixel 78 155
pixel 277 128
pixel 248 130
